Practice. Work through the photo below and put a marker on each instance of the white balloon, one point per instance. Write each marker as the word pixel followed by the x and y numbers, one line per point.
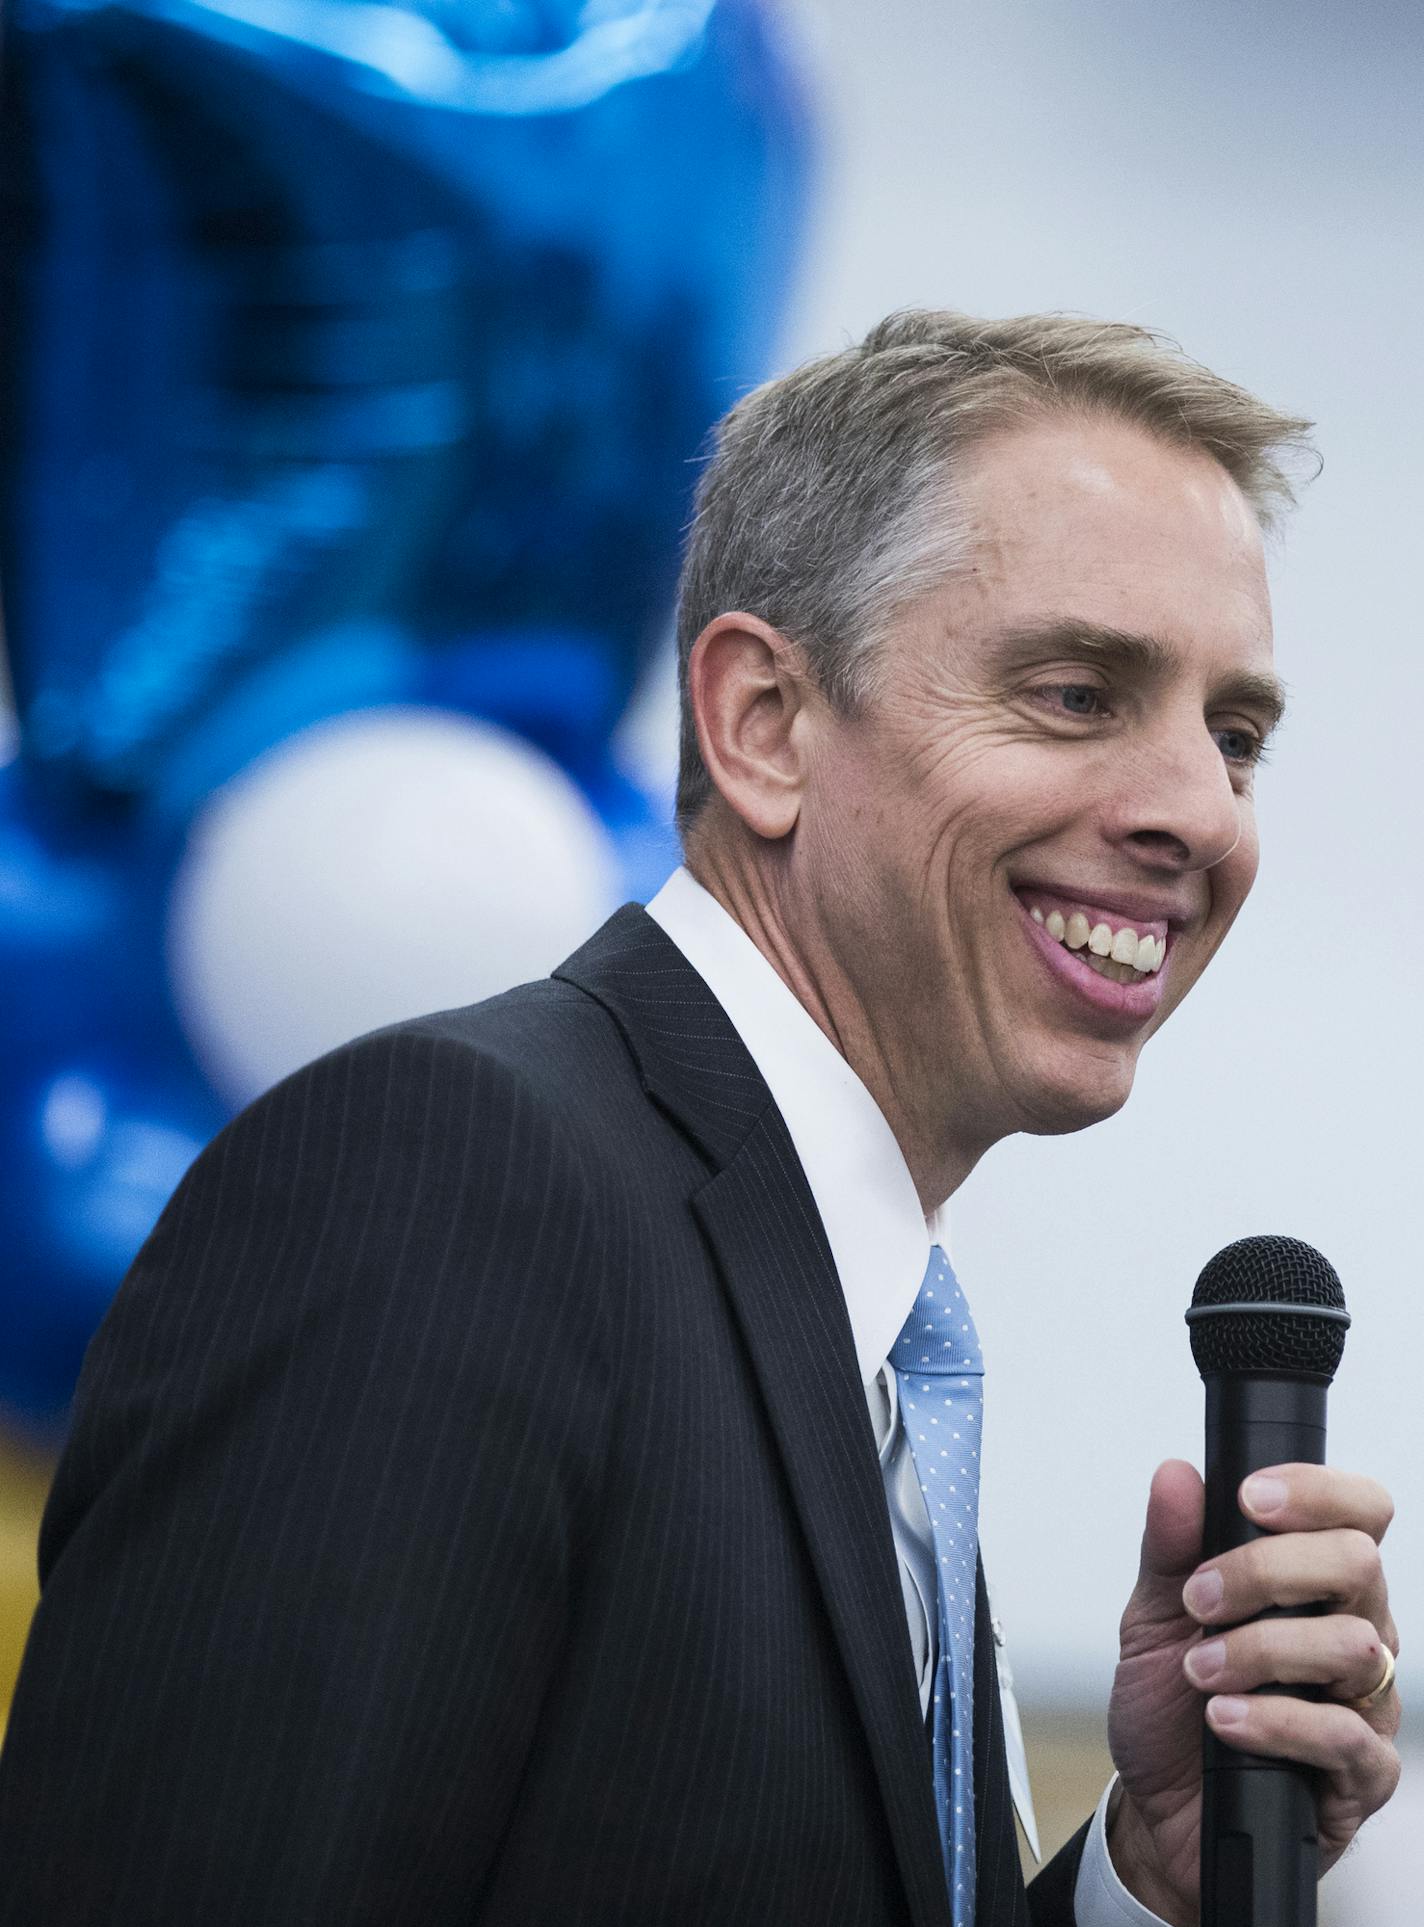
pixel 384 863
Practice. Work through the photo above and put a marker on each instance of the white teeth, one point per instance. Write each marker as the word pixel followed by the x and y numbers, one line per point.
pixel 1121 955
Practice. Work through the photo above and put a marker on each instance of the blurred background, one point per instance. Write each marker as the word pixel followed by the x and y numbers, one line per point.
pixel 357 360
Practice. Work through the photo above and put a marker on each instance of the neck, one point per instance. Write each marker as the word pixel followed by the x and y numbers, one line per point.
pixel 757 887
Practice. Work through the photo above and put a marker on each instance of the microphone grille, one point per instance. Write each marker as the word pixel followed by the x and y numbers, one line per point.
pixel 1305 1341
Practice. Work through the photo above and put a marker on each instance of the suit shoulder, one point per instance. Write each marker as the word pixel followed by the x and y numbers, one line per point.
pixel 529 1061
pixel 383 1230
pixel 423 1177
pixel 548 1037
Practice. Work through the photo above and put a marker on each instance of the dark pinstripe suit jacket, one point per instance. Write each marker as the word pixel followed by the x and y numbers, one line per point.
pixel 471 1515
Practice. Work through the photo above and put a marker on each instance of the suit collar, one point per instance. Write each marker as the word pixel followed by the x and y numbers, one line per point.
pixel 689 1056
pixel 863 1189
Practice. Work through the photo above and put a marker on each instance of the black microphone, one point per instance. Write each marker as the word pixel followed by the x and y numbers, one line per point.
pixel 1268 1324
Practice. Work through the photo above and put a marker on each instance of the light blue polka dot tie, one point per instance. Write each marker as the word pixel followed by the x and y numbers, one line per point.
pixel 939 1371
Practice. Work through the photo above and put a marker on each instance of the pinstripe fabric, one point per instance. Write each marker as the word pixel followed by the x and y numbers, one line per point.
pixel 471 1515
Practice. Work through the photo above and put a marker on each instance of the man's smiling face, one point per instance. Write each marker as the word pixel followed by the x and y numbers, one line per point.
pixel 1062 747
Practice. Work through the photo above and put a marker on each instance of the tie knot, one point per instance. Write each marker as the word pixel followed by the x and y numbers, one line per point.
pixel 939 1334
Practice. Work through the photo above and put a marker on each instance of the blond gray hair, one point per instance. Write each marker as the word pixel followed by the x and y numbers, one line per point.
pixel 828 502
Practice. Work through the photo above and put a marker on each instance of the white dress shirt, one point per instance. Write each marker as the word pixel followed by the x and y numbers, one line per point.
pixel 880 1240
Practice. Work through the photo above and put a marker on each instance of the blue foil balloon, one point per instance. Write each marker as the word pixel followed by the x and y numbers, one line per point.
pixel 357 355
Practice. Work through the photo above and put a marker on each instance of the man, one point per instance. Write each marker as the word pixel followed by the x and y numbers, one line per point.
pixel 471 1512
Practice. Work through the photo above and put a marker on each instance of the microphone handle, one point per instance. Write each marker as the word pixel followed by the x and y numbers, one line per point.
pixel 1260 1858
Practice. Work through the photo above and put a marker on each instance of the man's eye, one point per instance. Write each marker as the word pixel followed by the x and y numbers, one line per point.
pixel 1240 745
pixel 1080 698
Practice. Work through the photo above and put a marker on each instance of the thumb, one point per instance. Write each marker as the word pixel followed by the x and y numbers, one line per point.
pixel 1171 1542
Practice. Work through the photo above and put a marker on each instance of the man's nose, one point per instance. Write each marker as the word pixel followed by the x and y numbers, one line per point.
pixel 1180 808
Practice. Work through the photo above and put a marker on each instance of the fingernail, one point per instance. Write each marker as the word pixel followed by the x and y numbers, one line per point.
pixel 1202 1593
pixel 1204 1662
pixel 1226 1711
pixel 1264 1495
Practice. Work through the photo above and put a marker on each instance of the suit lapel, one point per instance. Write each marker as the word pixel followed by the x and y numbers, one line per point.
pixel 998 1870
pixel 758 1215
pixel 763 1227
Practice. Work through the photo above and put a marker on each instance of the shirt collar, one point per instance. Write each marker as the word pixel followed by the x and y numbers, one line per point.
pixel 879 1237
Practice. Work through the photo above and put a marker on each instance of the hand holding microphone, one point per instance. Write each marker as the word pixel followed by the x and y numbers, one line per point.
pixel 1265 1594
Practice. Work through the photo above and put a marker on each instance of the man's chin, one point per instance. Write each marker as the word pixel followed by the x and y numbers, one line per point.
pixel 1072 1104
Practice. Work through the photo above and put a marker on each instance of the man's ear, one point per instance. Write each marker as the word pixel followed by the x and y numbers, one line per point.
pixel 749 689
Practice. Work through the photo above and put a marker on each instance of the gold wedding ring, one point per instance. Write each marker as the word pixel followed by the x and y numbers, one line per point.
pixel 1373 1698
